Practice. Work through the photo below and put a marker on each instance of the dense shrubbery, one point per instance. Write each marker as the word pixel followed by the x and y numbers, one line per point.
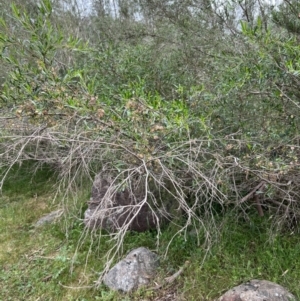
pixel 181 105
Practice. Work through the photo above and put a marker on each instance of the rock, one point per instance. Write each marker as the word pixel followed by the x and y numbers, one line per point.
pixel 111 209
pixel 49 218
pixel 258 290
pixel 135 270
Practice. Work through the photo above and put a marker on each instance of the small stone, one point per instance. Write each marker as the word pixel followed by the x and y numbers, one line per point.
pixel 49 218
pixel 258 290
pixel 135 270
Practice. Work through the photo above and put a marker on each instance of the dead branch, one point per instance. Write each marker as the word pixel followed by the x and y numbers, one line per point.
pixel 251 194
pixel 172 278
pixel 178 273
pixel 258 205
pixel 279 204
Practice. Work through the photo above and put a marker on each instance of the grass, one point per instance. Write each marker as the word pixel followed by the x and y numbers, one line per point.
pixel 48 263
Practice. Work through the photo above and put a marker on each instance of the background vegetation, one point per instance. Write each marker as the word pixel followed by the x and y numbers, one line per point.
pixel 197 102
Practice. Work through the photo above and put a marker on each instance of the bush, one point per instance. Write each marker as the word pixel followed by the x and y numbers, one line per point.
pixel 203 144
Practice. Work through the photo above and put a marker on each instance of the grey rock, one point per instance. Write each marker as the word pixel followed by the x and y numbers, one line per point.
pixel 135 270
pixel 111 209
pixel 258 290
pixel 49 218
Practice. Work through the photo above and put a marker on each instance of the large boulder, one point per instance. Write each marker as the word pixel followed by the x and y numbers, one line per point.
pixel 112 209
pixel 258 290
pixel 135 270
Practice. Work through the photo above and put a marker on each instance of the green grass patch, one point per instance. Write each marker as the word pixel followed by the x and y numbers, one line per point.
pixel 245 251
pixel 58 262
